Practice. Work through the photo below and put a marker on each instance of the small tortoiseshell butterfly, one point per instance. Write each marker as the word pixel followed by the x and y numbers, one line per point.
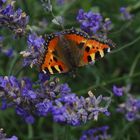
pixel 71 49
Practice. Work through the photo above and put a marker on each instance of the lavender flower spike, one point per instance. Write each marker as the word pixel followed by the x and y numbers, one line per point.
pixel 130 108
pixel 117 91
pixel 125 13
pixel 92 22
pixel 14 20
pixel 34 51
pixel 50 97
pixel 96 134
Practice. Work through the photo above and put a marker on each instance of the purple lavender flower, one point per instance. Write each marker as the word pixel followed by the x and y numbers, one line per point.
pixel 30 119
pixel 4 137
pixel 125 13
pixel 14 20
pixel 43 108
pixel 8 52
pixel 107 25
pixel 43 77
pixel 60 2
pixel 2 2
pixel 1 38
pixel 34 51
pixel 50 97
pixel 92 22
pixel 96 134
pixel 117 91
pixel 3 104
pixel 34 40
pixel 74 110
pixel 130 108
pixel 25 115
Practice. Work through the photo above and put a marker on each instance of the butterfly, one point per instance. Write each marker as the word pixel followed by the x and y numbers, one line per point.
pixel 71 48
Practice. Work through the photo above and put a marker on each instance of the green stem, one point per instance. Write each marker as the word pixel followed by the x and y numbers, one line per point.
pixel 67 132
pixel 30 132
pixel 134 65
pixel 19 71
pixel 115 80
pixel 129 83
pixel 55 132
pixel 127 45
pixel 125 26
pixel 13 64
pixel 61 13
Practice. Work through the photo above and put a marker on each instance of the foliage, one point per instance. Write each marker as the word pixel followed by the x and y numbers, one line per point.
pixel 40 107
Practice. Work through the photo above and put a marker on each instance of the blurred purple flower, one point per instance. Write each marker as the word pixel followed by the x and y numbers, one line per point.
pixel 28 94
pixel 25 115
pixel 30 119
pixel 92 22
pixel 99 133
pixel 43 108
pixel 50 97
pixel 1 38
pixel 2 2
pixel 130 108
pixel 3 104
pixel 60 2
pixel 43 77
pixel 9 52
pixel 125 13
pixel 34 40
pixel 4 137
pixel 107 25
pixel 14 20
pixel 75 110
pixel 117 91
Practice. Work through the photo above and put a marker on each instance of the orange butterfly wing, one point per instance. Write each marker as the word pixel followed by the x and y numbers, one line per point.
pixel 72 48
pixel 51 63
pixel 92 48
pixel 95 49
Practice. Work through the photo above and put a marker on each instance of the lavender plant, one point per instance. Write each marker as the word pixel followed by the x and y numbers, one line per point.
pixel 14 20
pixel 125 13
pixel 51 98
pixel 92 23
pixel 96 134
pixel 130 108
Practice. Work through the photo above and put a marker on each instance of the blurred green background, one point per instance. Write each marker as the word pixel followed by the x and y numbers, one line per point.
pixel 121 67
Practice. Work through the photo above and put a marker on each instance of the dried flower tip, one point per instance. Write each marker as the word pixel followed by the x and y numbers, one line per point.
pixel 25 53
pixel 90 94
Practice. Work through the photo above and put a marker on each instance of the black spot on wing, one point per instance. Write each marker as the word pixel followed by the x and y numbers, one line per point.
pixel 87 49
pixel 46 70
pixel 89 58
pixel 97 55
pixel 60 67
pixel 55 59
pixel 105 50
pixel 53 69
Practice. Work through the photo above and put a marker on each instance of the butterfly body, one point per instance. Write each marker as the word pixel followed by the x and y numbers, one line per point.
pixel 71 49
